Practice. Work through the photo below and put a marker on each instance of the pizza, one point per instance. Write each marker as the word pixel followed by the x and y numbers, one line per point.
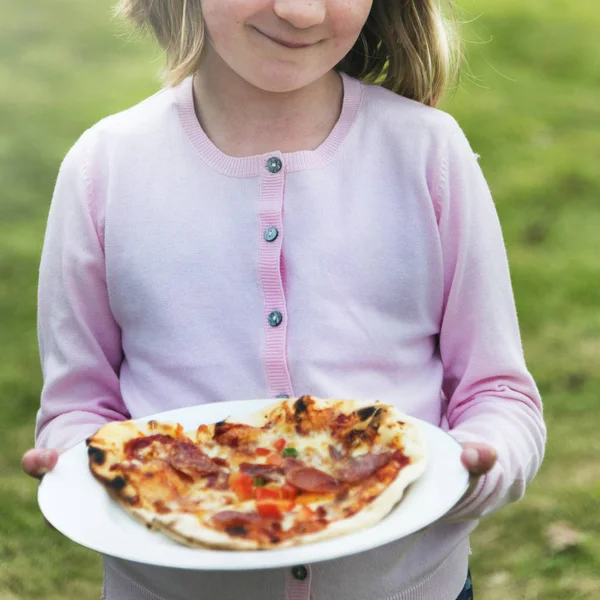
pixel 299 471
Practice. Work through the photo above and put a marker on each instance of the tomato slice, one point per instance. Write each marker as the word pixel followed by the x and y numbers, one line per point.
pixel 263 451
pixel 269 510
pixel 275 459
pixel 285 505
pixel 289 492
pixel 265 493
pixel 273 509
pixel 242 485
pixel 279 445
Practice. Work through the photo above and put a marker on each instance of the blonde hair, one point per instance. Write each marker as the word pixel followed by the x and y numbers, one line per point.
pixel 407 46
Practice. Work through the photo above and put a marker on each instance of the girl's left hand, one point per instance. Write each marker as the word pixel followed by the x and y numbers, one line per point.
pixel 478 459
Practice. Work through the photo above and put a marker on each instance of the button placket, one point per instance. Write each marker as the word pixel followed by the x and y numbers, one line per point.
pixel 272 187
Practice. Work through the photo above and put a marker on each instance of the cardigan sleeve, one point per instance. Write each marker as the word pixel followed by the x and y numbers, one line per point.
pixel 79 340
pixel 491 395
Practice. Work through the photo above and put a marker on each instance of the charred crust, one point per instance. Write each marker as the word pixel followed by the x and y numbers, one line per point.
pixel 88 441
pixel 118 483
pixel 365 413
pixel 356 436
pixel 160 507
pixel 97 455
pixel 237 530
pixel 220 424
pixel 300 405
pixel 376 419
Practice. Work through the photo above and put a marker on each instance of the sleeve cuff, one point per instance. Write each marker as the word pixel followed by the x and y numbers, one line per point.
pixel 466 509
pixel 67 430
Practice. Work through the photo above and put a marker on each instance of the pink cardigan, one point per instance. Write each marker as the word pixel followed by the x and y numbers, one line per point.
pixel 373 266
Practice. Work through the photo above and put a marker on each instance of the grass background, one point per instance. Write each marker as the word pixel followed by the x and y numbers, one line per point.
pixel 529 104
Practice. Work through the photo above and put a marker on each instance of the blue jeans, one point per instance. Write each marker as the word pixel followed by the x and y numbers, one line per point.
pixel 467 591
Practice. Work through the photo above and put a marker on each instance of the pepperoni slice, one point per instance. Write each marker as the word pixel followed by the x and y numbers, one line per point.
pixel 134 446
pixel 292 463
pixel 211 480
pixel 265 471
pixel 222 482
pixel 188 459
pixel 310 479
pixel 218 481
pixel 230 518
pixel 353 470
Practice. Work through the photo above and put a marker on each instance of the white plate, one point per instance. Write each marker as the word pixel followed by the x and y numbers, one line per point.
pixel 79 507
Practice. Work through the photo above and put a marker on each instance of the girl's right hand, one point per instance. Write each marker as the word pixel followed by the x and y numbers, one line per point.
pixel 38 461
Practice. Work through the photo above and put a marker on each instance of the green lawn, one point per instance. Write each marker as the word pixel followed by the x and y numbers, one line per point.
pixel 529 102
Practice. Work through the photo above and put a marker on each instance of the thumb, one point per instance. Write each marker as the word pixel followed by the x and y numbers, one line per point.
pixel 478 458
pixel 37 462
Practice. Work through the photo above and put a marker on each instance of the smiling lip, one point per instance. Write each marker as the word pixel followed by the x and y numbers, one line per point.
pixel 285 43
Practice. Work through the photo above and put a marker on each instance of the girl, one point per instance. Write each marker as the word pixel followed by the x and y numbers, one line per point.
pixel 272 224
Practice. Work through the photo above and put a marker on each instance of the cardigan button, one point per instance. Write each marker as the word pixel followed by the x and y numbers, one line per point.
pixel 274 164
pixel 300 572
pixel 271 234
pixel 275 318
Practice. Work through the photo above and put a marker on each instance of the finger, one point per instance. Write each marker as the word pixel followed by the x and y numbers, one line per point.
pixel 38 462
pixel 473 481
pixel 478 458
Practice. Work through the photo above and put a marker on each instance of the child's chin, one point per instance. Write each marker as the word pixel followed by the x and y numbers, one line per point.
pixel 283 78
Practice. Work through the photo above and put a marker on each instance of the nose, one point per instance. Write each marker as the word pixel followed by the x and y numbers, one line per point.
pixel 301 13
